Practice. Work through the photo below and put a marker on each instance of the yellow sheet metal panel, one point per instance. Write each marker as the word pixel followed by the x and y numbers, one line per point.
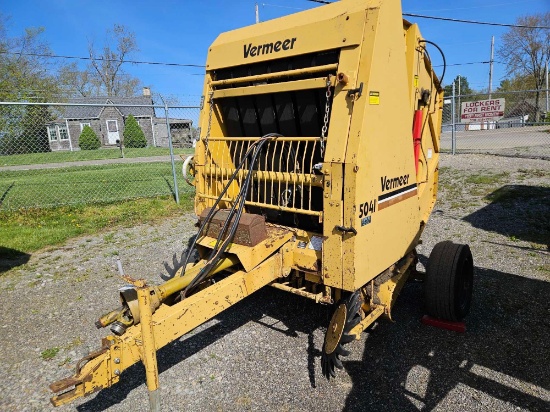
pixel 250 257
pixel 314 30
pixel 332 207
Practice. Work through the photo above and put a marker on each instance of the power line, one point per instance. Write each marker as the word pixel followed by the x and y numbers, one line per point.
pixel 56 56
pixel 520 26
pixel 282 7
pixel 467 63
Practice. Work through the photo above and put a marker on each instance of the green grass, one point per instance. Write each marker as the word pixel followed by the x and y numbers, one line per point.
pixel 29 230
pixel 80 155
pixel 49 354
pixel 487 178
pixel 87 184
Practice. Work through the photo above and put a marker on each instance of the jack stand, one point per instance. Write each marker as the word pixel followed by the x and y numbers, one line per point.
pixel 149 352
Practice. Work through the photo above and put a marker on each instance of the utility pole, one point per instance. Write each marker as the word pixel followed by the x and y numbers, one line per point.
pixel 546 74
pixel 453 125
pixel 491 66
pixel 459 107
pixel 257 13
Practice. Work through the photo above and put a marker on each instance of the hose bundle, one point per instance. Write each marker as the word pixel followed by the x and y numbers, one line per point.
pixel 236 211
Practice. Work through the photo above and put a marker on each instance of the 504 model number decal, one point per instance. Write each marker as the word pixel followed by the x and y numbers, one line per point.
pixel 367 208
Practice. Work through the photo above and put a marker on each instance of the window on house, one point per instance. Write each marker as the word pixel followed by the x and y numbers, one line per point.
pixel 84 124
pixel 52 133
pixel 63 135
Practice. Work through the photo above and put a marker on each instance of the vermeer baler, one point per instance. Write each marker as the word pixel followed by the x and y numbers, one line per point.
pixel 315 173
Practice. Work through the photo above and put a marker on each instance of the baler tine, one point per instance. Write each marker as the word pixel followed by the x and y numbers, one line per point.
pixel 330 207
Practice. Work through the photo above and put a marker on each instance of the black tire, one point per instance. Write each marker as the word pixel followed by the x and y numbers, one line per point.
pixel 449 281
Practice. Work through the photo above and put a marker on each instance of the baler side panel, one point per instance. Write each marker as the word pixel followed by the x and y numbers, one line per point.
pixel 380 151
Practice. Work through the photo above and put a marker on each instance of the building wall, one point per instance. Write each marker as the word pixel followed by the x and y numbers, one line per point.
pixel 75 130
pixel 110 113
pixel 147 127
pixel 181 134
pixel 99 126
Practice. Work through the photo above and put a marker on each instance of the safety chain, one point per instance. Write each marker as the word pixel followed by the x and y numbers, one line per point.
pixel 325 120
pixel 211 102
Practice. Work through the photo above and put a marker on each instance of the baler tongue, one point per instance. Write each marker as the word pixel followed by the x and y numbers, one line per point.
pixel 151 323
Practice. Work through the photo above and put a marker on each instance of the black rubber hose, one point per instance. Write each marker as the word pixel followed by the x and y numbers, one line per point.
pixel 212 211
pixel 240 200
pixel 217 252
pixel 236 200
pixel 215 256
pixel 442 55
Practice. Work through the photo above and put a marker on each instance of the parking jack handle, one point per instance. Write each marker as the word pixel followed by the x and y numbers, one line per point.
pixel 149 353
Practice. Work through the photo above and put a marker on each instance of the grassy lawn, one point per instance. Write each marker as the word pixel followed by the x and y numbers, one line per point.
pixel 105 153
pixel 87 184
pixel 25 231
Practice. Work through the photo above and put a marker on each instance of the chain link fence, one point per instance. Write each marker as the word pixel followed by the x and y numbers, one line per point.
pixel 515 123
pixel 93 150
pixel 99 150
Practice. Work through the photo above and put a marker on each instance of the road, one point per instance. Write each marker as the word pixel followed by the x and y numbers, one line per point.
pixel 499 139
pixel 132 160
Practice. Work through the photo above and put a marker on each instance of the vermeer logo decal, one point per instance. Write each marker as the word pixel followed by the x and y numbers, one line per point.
pixel 268 48
pixel 402 190
pixel 393 183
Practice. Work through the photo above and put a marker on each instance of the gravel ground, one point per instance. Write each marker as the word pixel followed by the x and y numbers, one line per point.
pixel 264 353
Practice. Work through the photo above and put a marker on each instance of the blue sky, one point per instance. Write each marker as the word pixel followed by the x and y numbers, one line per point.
pixel 181 31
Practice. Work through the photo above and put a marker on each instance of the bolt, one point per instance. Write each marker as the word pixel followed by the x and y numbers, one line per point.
pixel 117 360
pixel 117 372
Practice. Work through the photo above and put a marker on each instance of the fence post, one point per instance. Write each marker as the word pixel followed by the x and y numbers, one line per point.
pixel 453 125
pixel 176 191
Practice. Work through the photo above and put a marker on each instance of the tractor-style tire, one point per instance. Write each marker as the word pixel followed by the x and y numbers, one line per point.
pixel 449 281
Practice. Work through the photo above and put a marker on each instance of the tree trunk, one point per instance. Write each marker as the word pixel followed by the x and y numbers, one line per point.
pixel 537 106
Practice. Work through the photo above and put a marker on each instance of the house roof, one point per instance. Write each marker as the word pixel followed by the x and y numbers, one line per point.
pixel 171 120
pixel 525 106
pixel 93 112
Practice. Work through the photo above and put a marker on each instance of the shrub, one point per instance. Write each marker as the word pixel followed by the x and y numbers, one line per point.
pixel 133 135
pixel 88 140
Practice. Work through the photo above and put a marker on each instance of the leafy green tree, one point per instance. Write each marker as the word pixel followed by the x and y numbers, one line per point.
pixel 88 140
pixel 34 135
pixel 133 135
pixel 25 75
pixel 465 88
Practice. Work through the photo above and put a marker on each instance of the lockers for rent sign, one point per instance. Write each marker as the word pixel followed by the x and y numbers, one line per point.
pixel 482 110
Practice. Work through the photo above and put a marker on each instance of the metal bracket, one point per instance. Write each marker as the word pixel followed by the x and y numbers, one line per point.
pixel 358 91
pixel 344 229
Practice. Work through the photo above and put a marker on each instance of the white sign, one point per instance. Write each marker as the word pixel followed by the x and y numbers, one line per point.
pixel 482 111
